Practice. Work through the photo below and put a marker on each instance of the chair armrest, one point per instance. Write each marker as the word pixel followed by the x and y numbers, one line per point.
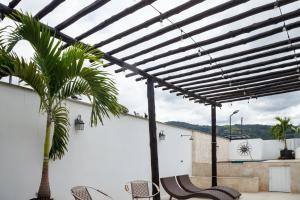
pixel 99 191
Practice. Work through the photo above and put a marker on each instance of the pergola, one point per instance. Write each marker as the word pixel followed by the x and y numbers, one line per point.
pixel 248 60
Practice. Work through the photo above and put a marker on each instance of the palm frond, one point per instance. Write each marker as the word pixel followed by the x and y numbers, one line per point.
pixel 60 134
pixel 11 64
pixel 47 49
pixel 100 89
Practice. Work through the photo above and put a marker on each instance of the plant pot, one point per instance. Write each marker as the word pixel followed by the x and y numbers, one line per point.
pixel 287 154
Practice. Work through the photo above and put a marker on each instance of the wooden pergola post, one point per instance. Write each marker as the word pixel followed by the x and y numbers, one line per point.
pixel 152 136
pixel 213 147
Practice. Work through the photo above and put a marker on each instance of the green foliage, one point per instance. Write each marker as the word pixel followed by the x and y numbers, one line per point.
pixel 283 126
pixel 57 74
pixel 253 130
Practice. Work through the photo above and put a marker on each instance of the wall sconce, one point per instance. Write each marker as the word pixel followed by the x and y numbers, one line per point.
pixel 161 135
pixel 79 124
pixel 191 137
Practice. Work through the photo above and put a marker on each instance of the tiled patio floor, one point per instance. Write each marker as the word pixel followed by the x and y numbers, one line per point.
pixel 265 196
pixel 270 196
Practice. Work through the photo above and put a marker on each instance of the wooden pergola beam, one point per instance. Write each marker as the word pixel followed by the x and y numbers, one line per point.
pixel 233 87
pixel 243 41
pixel 240 90
pixel 151 21
pixel 238 61
pixel 48 8
pixel 194 18
pixel 11 4
pixel 240 81
pixel 226 73
pixel 208 27
pixel 230 34
pixel 67 39
pixel 296 89
pixel 253 94
pixel 242 73
pixel 229 56
pixel 84 11
pixel 115 18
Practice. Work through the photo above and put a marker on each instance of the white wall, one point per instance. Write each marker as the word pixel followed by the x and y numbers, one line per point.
pixel 262 149
pixel 202 148
pixel 106 156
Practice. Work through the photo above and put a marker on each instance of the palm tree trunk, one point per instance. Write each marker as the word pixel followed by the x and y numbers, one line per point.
pixel 44 189
pixel 285 144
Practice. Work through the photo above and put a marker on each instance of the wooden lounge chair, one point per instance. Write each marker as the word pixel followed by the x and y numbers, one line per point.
pixel 186 184
pixel 82 193
pixel 174 190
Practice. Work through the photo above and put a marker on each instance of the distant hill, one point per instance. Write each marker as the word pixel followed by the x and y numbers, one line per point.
pixel 252 130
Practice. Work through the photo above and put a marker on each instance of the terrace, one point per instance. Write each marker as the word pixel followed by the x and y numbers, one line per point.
pixel 179 49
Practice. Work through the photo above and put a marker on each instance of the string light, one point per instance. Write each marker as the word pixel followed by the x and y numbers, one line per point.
pixel 199 52
pixel 187 36
pixel 276 4
pixel 161 20
pixel 284 29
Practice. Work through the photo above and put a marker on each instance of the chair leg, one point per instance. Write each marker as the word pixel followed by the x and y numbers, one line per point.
pixel 170 198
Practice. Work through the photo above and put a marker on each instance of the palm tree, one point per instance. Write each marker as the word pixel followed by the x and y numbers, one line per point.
pixel 55 75
pixel 280 129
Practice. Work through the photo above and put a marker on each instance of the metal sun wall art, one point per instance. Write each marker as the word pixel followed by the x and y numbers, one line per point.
pixel 244 149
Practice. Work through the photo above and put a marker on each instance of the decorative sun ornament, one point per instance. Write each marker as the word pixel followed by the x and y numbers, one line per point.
pixel 244 149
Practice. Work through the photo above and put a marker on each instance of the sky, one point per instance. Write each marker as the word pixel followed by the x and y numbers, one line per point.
pixel 170 107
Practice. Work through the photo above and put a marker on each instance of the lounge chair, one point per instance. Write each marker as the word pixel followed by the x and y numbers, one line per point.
pixel 82 193
pixel 174 190
pixel 186 184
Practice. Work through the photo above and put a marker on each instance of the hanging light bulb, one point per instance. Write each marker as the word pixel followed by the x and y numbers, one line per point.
pixel 230 84
pixel 284 29
pixel 161 21
pixel 199 52
pixel 276 5
pixel 181 36
pixel 298 70
pixel 244 93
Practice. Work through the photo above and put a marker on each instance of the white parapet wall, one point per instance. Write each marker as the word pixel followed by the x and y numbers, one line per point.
pixel 105 156
pixel 256 153
pixel 202 148
pixel 260 149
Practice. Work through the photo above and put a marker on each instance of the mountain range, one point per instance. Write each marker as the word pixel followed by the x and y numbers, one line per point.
pixel 251 130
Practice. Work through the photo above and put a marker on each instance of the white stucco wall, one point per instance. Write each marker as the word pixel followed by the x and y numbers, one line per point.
pixel 106 156
pixel 202 148
pixel 262 149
